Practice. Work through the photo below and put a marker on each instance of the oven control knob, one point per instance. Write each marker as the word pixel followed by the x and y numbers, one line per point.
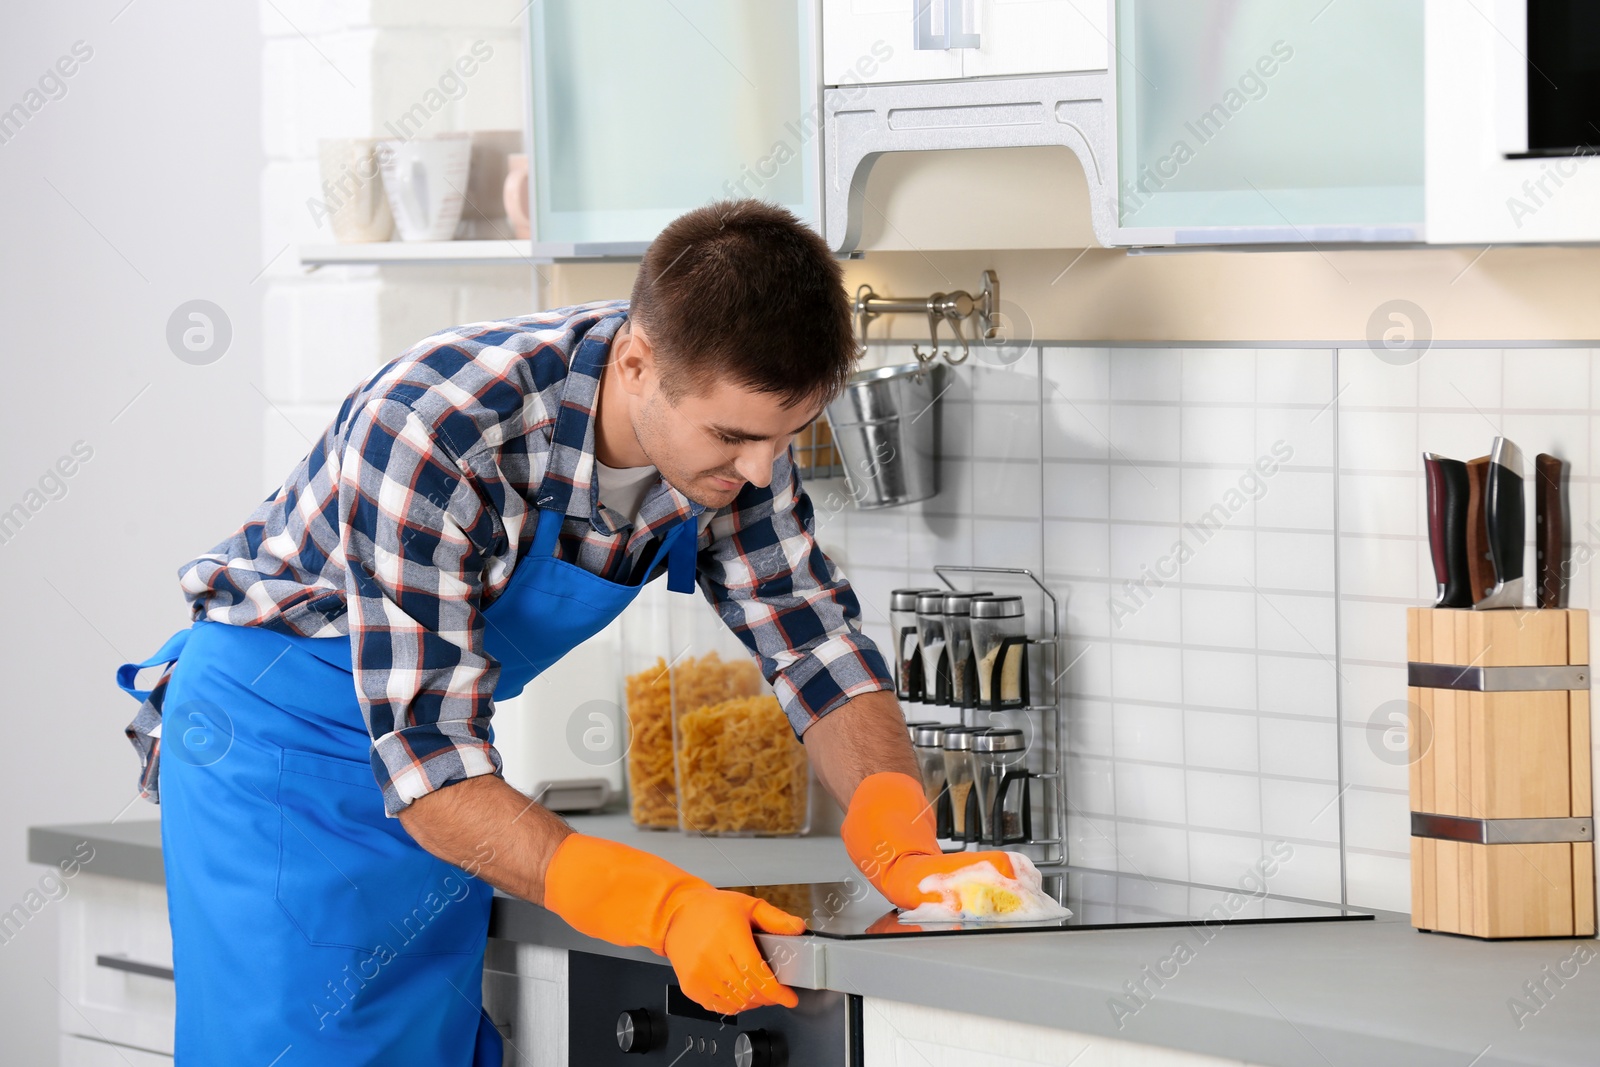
pixel 634 1031
pixel 752 1048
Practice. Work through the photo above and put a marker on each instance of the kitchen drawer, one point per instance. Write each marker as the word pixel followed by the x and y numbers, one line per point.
pixel 83 1052
pixel 525 994
pixel 111 930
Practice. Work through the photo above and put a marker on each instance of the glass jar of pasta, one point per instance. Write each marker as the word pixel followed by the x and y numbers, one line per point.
pixel 740 769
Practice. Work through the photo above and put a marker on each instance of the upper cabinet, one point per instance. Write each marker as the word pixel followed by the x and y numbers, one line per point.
pixel 1268 121
pixel 642 111
pixel 875 41
pixel 1513 120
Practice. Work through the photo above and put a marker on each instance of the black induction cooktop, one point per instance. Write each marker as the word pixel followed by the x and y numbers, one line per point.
pixel 1099 900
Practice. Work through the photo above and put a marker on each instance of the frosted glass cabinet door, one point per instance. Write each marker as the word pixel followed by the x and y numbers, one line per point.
pixel 1269 120
pixel 644 110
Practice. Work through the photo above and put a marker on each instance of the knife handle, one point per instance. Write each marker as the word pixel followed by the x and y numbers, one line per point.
pixel 1550 532
pixel 1505 514
pixel 1433 468
pixel 1458 586
pixel 1480 568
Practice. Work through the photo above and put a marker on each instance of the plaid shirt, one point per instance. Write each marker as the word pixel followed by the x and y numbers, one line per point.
pixel 412 510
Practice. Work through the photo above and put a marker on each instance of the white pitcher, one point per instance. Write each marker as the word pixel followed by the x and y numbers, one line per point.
pixel 426 182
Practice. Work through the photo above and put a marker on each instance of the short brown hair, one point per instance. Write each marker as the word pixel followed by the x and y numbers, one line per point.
pixel 742 290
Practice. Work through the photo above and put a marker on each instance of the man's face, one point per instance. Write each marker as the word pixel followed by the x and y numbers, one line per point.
pixel 709 443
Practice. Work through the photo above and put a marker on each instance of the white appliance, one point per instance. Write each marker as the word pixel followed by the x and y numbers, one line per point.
pixel 561 739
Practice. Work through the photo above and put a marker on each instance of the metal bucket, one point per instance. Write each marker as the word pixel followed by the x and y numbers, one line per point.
pixel 886 428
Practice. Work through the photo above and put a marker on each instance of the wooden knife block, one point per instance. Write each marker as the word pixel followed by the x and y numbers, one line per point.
pixel 1483 756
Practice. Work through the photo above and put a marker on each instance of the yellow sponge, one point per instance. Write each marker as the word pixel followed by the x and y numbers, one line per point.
pixel 978 899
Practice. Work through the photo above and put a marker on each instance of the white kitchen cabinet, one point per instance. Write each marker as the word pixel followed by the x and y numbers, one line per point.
pixel 1039 37
pixel 1477 96
pixel 85 1052
pixel 641 112
pixel 116 962
pixel 872 41
pixel 525 994
pixel 895 1034
pixel 875 41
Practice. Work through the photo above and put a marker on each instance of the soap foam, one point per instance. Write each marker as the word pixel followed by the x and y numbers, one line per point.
pixel 979 892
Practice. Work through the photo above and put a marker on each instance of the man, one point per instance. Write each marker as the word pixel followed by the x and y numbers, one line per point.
pixel 478 507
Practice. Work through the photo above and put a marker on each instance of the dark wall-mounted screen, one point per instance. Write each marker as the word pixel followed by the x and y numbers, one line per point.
pixel 1563 76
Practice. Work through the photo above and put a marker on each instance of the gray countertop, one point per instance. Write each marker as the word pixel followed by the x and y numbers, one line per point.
pixel 1296 995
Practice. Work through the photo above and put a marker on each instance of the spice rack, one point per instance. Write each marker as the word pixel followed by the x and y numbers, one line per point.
pixel 1043 703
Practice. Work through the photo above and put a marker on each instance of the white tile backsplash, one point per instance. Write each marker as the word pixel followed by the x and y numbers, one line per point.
pixel 1218 740
pixel 1145 433
pixel 1224 801
pixel 1547 378
pixel 1298 748
pixel 1142 494
pixel 1294 376
pixel 1221 375
pixel 1219 617
pixel 1218 435
pixel 1460 378
pixel 1210 710
pixel 1219 679
pixel 1147 374
pixel 1366 379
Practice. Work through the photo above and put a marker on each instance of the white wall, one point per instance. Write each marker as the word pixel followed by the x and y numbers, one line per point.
pixel 134 192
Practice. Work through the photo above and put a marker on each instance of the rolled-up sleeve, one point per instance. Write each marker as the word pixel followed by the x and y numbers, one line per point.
pixel 415 534
pixel 777 590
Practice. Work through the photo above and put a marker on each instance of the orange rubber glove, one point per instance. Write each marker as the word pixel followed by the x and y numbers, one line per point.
pixel 891 836
pixel 629 897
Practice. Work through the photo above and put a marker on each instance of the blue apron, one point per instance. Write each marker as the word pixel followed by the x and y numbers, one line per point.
pixel 308 928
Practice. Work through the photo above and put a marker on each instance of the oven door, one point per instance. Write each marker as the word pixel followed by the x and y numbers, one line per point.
pixel 626 1012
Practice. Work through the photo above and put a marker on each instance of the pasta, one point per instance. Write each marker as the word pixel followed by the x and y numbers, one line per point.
pixel 741 769
pixel 652 784
pixel 652 790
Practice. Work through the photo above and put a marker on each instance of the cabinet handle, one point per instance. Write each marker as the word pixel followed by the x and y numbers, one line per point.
pixel 123 963
pixel 957 16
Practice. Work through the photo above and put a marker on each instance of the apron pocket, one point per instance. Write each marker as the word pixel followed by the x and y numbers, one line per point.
pixel 351 878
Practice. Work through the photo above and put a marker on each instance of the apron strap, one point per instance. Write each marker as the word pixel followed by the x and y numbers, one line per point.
pixel 681 552
pixel 168 653
pixel 547 534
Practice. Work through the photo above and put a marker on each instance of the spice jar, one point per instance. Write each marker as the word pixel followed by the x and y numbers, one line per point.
pixel 928 742
pixel 931 642
pixel 997 758
pixel 958 632
pixel 911 728
pixel 907 664
pixel 959 780
pixel 999 645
